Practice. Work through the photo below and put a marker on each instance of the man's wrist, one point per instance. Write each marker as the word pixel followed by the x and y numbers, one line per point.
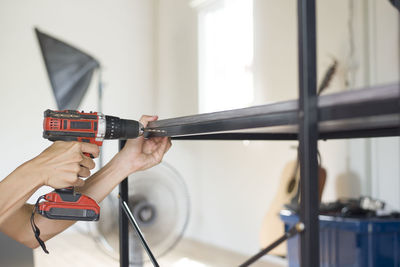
pixel 32 171
pixel 121 165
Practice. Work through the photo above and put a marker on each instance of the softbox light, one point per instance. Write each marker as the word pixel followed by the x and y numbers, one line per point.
pixel 69 69
pixel 396 4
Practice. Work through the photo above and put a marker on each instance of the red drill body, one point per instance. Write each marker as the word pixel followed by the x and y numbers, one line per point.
pixel 93 127
pixel 72 125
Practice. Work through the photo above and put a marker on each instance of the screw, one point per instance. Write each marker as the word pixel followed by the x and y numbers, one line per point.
pixel 154 131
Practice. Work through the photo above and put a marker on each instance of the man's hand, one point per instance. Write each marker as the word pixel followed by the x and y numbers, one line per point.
pixel 140 154
pixel 61 164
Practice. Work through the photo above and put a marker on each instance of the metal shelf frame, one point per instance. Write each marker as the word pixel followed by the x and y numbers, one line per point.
pixel 351 114
pixel 370 112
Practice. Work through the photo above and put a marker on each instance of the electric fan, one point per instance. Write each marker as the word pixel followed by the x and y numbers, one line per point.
pixel 159 201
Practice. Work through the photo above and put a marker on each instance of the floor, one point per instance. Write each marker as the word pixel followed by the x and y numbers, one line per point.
pixel 80 250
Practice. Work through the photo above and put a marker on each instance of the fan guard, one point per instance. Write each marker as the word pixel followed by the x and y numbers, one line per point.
pixel 159 201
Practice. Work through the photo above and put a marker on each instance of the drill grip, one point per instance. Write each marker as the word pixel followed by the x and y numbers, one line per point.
pixel 88 155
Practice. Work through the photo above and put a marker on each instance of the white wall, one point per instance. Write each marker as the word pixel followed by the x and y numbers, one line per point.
pixel 384 43
pixel 118 33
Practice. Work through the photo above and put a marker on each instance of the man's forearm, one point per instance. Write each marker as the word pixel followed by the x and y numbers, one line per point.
pixel 18 227
pixel 98 186
pixel 16 189
pixel 59 162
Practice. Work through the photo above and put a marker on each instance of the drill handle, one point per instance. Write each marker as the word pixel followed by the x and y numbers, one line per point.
pixel 88 155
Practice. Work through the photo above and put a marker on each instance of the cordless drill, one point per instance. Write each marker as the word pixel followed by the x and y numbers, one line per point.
pixel 93 127
pixel 72 125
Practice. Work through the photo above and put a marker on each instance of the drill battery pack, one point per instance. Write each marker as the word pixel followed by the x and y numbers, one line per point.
pixel 65 204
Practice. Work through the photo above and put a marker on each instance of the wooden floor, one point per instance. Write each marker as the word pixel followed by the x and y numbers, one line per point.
pixel 80 250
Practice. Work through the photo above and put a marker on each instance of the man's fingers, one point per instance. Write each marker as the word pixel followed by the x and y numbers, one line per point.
pixel 79 182
pixel 145 119
pixel 91 149
pixel 162 148
pixel 88 163
pixel 158 139
pixel 84 172
pixel 169 144
pixel 164 143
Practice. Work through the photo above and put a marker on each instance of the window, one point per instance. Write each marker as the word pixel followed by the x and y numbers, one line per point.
pixel 225 54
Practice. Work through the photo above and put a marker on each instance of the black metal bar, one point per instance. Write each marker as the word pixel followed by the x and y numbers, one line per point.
pixel 383 132
pixel 210 124
pixel 240 136
pixel 123 221
pixel 358 110
pixel 297 228
pixel 308 134
pixel 345 134
pixel 365 103
pixel 135 226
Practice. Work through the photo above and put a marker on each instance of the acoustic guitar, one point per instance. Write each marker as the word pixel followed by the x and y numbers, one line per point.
pixel 288 193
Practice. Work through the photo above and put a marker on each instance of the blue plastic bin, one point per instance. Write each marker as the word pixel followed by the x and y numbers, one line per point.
pixel 350 242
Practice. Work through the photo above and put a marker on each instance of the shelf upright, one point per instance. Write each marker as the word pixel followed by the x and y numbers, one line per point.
pixel 308 133
pixel 123 221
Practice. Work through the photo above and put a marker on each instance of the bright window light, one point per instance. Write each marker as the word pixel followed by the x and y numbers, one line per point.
pixel 225 55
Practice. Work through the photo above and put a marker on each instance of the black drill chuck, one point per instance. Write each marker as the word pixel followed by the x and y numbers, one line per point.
pixel 117 128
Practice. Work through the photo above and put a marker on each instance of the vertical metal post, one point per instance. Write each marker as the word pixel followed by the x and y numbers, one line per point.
pixel 123 221
pixel 308 133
